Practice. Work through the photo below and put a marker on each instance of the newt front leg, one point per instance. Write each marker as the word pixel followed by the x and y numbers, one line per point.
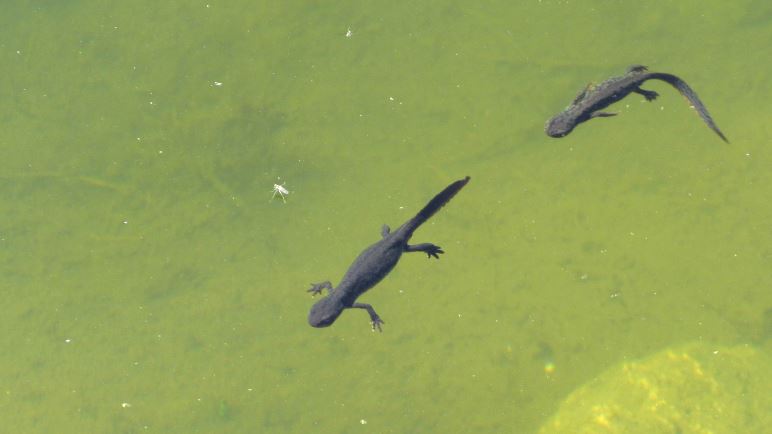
pixel 316 288
pixel 375 320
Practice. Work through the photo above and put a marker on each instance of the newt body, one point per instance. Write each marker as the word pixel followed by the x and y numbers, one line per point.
pixel 374 263
pixel 593 99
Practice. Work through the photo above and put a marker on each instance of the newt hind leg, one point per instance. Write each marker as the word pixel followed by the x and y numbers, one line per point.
pixel 428 248
pixel 650 95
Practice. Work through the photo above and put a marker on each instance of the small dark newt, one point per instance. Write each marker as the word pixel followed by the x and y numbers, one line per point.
pixel 593 99
pixel 374 263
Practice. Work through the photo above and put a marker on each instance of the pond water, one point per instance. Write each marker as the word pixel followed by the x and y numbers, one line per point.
pixel 150 283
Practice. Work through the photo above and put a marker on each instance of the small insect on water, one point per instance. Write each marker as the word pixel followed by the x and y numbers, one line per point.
pixel 281 191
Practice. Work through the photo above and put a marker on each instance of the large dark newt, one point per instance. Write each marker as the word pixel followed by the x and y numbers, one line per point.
pixel 374 263
pixel 593 99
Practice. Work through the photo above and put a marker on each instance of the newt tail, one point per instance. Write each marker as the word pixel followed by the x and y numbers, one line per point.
pixel 691 95
pixel 432 207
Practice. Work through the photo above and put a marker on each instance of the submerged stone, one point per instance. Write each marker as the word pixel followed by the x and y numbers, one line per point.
pixel 693 389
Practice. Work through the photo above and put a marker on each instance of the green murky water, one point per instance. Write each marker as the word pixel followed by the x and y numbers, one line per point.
pixel 148 283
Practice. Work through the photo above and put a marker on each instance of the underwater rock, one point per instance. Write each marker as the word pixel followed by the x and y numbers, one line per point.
pixel 693 389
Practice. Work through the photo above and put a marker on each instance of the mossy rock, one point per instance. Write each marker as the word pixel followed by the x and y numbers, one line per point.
pixel 692 389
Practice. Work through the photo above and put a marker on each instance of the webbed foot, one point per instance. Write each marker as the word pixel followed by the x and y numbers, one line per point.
pixel 376 323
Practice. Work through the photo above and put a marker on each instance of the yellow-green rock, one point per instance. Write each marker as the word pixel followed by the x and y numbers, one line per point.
pixel 692 389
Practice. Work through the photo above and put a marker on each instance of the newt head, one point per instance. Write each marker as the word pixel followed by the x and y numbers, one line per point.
pixel 324 312
pixel 560 125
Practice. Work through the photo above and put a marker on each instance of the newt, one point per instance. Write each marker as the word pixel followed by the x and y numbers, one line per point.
pixel 374 263
pixel 591 101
